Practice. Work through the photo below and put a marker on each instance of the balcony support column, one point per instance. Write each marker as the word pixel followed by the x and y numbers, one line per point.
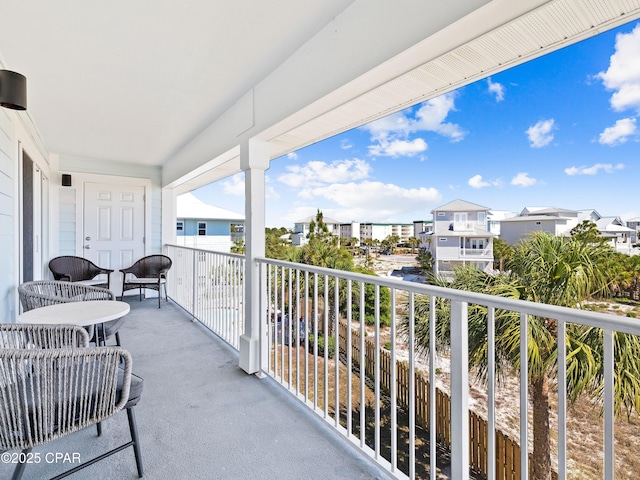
pixel 254 160
pixel 459 390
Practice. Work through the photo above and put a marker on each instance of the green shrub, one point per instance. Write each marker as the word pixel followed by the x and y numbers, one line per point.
pixel 387 346
pixel 331 346
pixel 632 314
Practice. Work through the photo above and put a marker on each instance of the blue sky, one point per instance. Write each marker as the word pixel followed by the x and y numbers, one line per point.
pixel 559 131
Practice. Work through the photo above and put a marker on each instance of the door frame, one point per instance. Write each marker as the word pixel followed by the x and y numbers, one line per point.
pixel 25 145
pixel 79 179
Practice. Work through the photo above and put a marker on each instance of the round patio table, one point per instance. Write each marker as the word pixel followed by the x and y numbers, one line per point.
pixel 86 313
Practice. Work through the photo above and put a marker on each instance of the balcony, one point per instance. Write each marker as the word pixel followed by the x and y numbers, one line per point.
pixel 311 414
pixel 201 417
pixel 322 303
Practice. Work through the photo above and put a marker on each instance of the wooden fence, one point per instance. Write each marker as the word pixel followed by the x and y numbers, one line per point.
pixel 507 449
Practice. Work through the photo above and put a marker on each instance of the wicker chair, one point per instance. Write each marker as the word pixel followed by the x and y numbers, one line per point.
pixel 41 293
pixel 78 269
pixel 46 372
pixel 148 272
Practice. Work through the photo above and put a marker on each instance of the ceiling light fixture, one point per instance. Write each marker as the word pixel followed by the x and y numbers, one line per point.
pixel 13 90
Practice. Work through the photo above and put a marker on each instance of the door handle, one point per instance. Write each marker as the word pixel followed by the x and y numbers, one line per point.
pixel 87 247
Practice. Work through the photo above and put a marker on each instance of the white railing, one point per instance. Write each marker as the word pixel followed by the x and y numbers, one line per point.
pixel 303 304
pixel 309 300
pixel 210 286
pixel 476 252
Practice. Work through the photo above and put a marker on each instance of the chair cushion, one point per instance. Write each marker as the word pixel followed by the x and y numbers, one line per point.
pixel 135 390
pixel 145 280
pixel 92 283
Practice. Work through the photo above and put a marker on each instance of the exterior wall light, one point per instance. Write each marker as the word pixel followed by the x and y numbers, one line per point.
pixel 13 90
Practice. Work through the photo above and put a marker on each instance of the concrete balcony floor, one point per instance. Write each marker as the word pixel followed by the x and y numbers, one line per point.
pixel 202 417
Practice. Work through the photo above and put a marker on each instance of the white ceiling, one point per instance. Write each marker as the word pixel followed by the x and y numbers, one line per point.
pixel 135 80
pixel 154 81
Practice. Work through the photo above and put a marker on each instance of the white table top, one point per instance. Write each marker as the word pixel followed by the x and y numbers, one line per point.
pixel 77 313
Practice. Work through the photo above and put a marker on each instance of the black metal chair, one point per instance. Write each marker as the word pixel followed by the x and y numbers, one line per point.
pixel 77 269
pixel 148 272
pixel 52 385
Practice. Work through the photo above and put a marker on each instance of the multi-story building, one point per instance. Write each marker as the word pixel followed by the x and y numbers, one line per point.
pixel 460 237
pixel 376 231
pixel 495 217
pixel 559 222
pixel 634 225
pixel 422 228
pixel 301 229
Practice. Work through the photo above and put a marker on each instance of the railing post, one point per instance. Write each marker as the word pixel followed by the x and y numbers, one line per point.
pixel 195 285
pixel 459 390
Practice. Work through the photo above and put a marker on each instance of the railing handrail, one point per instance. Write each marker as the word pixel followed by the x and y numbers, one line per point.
pixel 565 314
pixel 217 252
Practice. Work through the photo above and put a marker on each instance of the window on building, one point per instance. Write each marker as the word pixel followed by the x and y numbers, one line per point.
pixel 459 220
pixel 481 218
pixel 180 226
pixel 202 228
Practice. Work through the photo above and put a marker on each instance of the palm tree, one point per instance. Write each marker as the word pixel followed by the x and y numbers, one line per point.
pixel 502 252
pixel 413 243
pixel 555 271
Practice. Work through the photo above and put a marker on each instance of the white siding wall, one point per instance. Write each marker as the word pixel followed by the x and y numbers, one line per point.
pixel 512 232
pixel 8 236
pixel 66 221
pixel 79 166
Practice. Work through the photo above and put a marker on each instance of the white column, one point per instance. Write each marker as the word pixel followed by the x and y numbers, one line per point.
pixel 254 160
pixel 169 215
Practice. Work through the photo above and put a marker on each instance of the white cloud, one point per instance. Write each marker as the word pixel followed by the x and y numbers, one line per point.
pixel 397 124
pixel 497 89
pixel 398 148
pixel 234 185
pixel 370 201
pixel 432 114
pixel 385 199
pixel 346 144
pixel 623 74
pixel 540 134
pixel 317 172
pixel 292 156
pixel 396 128
pixel 594 169
pixel 619 133
pixel 477 182
pixel 523 179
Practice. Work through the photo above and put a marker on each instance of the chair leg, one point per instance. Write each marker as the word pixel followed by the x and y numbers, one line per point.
pixel 136 441
pixel 99 428
pixel 19 470
pixel 140 293
pixel 118 339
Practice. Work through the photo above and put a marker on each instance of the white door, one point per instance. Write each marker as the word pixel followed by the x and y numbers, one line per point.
pixel 114 226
